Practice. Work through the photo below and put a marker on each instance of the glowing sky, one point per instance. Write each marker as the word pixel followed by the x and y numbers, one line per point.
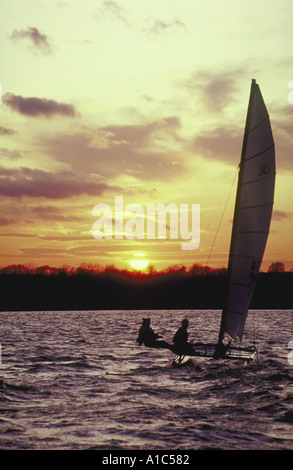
pixel 141 99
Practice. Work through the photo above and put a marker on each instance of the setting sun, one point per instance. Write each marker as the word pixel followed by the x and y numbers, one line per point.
pixel 139 263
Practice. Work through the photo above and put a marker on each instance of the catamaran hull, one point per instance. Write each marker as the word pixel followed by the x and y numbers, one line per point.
pixel 248 354
pixel 181 361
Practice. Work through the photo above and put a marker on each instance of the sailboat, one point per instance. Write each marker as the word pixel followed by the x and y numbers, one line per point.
pixel 251 224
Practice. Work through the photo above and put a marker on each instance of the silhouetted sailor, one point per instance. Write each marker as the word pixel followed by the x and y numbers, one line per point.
pixel 180 340
pixel 148 337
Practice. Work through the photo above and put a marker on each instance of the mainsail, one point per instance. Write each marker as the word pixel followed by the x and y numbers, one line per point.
pixel 252 214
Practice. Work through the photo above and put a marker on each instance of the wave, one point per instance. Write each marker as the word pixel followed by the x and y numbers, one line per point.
pixel 103 392
pixel 4 385
pixel 288 417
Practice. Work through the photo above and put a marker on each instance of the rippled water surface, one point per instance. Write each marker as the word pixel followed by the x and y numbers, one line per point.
pixel 78 380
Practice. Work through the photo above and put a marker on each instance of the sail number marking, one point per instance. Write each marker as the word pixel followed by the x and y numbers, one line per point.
pixel 264 170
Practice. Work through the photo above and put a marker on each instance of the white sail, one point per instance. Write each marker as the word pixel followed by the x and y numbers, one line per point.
pixel 252 215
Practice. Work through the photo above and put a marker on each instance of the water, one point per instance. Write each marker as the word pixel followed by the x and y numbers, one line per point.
pixel 78 380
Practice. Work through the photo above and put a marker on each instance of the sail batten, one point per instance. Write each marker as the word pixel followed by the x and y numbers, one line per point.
pixel 245 256
pixel 260 153
pixel 253 181
pixel 252 214
pixel 241 284
pixel 255 207
pixel 237 313
pixel 251 231
pixel 259 124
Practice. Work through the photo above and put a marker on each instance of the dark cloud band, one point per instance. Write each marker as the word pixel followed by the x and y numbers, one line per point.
pixel 38 183
pixel 36 107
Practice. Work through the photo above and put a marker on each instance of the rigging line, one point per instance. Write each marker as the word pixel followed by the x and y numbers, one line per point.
pixel 215 213
pixel 216 234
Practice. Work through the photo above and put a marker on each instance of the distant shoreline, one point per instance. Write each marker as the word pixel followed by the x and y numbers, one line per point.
pixel 127 291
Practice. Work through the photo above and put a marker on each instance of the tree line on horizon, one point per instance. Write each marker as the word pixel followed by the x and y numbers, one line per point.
pixel 93 269
pixel 91 287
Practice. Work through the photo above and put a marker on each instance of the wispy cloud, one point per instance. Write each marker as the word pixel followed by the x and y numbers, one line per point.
pixel 280 215
pixel 37 107
pixel 112 10
pixel 7 220
pixel 52 213
pixel 282 125
pixel 15 234
pixel 216 89
pixel 11 154
pixel 157 27
pixel 7 131
pixel 221 143
pixel 38 40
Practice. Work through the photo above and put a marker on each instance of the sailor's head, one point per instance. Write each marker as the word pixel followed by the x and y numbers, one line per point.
pixel 146 321
pixel 185 323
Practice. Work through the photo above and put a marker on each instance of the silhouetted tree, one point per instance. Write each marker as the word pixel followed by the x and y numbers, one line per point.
pixel 277 267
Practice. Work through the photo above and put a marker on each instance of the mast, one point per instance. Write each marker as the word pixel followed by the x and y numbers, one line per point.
pixel 252 214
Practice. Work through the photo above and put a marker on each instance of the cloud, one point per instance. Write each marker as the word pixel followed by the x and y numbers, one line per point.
pixel 7 221
pixel 146 151
pixel 36 107
pixel 11 154
pixel 222 143
pixel 38 40
pixel 52 213
pixel 281 215
pixel 66 238
pixel 43 252
pixel 216 89
pixel 38 183
pixel 15 234
pixel 154 26
pixel 7 131
pixel 157 27
pixel 112 10
pixel 282 126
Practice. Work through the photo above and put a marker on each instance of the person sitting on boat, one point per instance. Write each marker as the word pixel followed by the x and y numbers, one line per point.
pixel 149 338
pixel 180 340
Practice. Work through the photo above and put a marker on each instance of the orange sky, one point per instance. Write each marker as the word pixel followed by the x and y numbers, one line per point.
pixel 103 99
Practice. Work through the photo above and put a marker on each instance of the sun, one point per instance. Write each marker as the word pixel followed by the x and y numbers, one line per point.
pixel 139 264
